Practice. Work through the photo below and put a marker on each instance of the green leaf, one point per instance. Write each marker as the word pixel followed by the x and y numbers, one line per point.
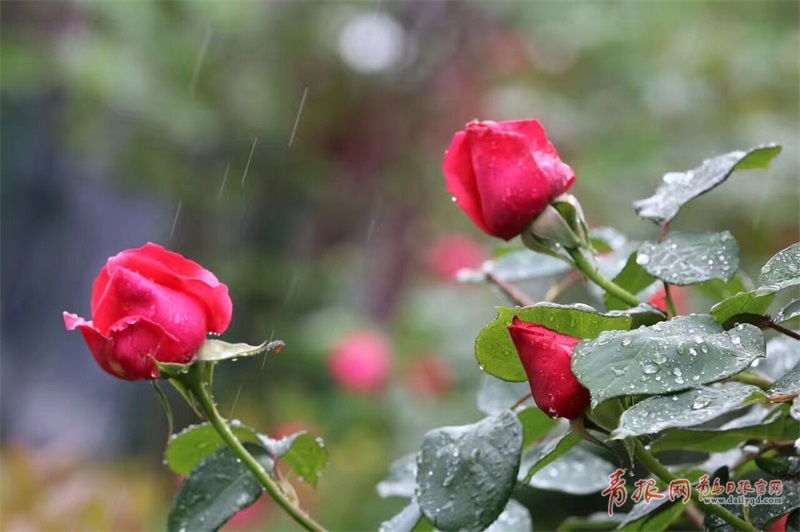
pixel 216 490
pixel 781 271
pixel 578 472
pixel 789 312
pixel 495 395
pixel 516 266
pixel 783 353
pixel 740 305
pixel 218 351
pixel 761 515
pixel 304 453
pixel 197 442
pixel 514 517
pixel 495 350
pixel 405 521
pixel 535 425
pixel 548 451
pixel 466 474
pixel 402 478
pixel 685 409
pixel 789 384
pixel 780 466
pixel 784 428
pixel 632 278
pixel 679 188
pixel 684 258
pixel 642 510
pixel 641 315
pixel 668 357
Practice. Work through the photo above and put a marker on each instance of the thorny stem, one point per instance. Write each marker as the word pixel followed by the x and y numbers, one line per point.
pixel 591 272
pixel 195 383
pixel 512 292
pixel 657 468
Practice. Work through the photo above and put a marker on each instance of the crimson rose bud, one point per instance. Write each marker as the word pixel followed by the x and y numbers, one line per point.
pixel 504 174
pixel 546 357
pixel 150 302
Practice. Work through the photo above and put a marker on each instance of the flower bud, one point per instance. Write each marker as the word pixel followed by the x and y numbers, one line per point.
pixel 504 174
pixel 546 356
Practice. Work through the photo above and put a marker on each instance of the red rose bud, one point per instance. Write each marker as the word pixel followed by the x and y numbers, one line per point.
pixel 546 356
pixel 504 174
pixel 150 302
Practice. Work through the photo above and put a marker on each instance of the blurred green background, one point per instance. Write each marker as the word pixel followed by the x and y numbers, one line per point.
pixel 294 149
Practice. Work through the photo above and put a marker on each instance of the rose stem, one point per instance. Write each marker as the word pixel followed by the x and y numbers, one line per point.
pixel 783 330
pixel 512 292
pixel 673 310
pixel 590 271
pixel 194 382
pixel 655 467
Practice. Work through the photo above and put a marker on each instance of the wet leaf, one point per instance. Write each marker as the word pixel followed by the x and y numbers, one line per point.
pixel 194 443
pixel 642 510
pixel 545 453
pixel 405 521
pixel 781 271
pixel 535 425
pixel 216 490
pixel 304 453
pixel 761 515
pixel 495 350
pixel 685 409
pixel 684 258
pixel 780 466
pixel 495 395
pixel 679 188
pixel 719 440
pixel 789 384
pixel 515 517
pixel 633 278
pixel 668 357
pixel 789 312
pixel 741 304
pixel 578 472
pixel 218 351
pixel 466 474
pixel 402 478
pixel 516 266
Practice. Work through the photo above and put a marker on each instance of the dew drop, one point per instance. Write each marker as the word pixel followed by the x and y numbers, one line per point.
pixel 679 380
pixel 677 372
pixel 700 403
pixel 649 369
pixel 735 340
pixel 693 351
pixel 642 259
pixel 627 341
pixel 658 358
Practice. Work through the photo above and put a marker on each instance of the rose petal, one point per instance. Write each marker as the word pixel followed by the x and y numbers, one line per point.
pixel 130 295
pixel 546 356
pixel 461 181
pixel 513 190
pixel 173 271
pixel 560 175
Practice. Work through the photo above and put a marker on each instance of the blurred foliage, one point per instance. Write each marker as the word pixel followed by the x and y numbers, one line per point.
pixel 306 175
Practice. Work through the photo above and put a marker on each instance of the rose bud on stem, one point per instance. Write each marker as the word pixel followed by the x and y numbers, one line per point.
pixel 546 356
